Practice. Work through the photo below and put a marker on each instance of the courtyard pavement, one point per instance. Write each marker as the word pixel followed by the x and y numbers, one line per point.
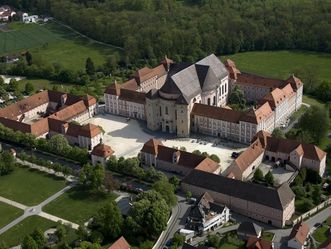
pixel 127 137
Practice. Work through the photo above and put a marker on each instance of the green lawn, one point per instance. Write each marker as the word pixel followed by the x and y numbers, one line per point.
pixel 29 187
pixel 44 84
pixel 311 101
pixel 54 44
pixel 8 213
pixel 281 64
pixel 16 234
pixel 77 205
pixel 321 233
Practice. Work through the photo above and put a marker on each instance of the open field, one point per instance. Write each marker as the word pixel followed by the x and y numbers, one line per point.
pixel 29 187
pixel 8 213
pixel 53 43
pixel 281 64
pixel 77 205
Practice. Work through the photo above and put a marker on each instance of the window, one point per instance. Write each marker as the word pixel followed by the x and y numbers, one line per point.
pixel 214 100
pixel 208 101
pixel 160 111
pixel 166 110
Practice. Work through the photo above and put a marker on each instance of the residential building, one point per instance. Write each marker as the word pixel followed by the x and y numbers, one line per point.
pixel 299 235
pixel 286 151
pixel 274 206
pixel 206 215
pixel 6 13
pixel 155 154
pixel 248 229
pixel 258 243
pixel 29 19
pixel 49 113
pixel 101 154
pixel 121 243
pixel 181 98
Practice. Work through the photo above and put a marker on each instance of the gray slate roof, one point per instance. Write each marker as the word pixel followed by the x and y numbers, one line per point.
pixel 190 80
pixel 249 228
pixel 277 198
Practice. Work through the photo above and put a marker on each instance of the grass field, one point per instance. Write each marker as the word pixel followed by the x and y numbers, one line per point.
pixel 281 64
pixel 77 205
pixel 44 84
pixel 8 213
pixel 16 234
pixel 54 44
pixel 29 187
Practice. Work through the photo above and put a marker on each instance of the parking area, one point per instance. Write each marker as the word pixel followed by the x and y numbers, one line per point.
pixel 280 174
pixel 126 137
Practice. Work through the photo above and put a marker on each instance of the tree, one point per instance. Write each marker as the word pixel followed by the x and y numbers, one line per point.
pixel 258 175
pixel 29 88
pixel 7 163
pixel 174 180
pixel 196 152
pixel 188 195
pixel 28 57
pixel 166 189
pixel 278 133
pixel 315 122
pixel 29 243
pixel 89 67
pixel 61 232
pixel 178 240
pixel 88 245
pixel 92 176
pixel 149 215
pixel 13 85
pixel 215 158
pixel 39 238
pixel 313 177
pixel 58 144
pixel 269 178
pixel 109 221
pixel 237 99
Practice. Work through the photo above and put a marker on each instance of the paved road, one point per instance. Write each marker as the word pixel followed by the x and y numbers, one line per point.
pixel 179 214
pixel 13 203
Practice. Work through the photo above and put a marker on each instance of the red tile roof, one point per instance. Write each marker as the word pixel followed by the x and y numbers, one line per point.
pixel 102 150
pixel 121 243
pixel 300 232
pixel 259 81
pixel 295 82
pixel 258 243
pixel 151 146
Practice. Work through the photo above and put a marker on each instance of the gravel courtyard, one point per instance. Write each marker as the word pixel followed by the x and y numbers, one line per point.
pixel 127 138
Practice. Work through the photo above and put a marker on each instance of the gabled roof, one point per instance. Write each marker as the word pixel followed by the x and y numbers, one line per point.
pixel 246 158
pixel 121 243
pixel 300 232
pixel 249 228
pixel 114 89
pixel 151 146
pixel 277 198
pixel 275 97
pixel 295 82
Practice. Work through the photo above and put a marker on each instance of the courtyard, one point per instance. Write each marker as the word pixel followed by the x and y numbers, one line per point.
pixel 127 136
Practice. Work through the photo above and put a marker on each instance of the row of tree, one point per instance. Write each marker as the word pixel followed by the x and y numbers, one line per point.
pixel 57 144
pixel 149 29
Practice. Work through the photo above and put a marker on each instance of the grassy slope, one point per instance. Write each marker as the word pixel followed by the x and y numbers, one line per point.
pixel 85 205
pixel 54 44
pixel 44 84
pixel 8 213
pixel 281 64
pixel 29 187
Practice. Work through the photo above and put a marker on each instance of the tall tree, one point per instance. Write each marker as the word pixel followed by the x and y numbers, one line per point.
pixel 89 67
pixel 28 57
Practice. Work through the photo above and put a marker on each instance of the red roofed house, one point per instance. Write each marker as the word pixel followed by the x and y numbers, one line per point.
pixel 155 154
pixel 121 243
pixel 101 154
pixel 298 236
pixel 49 113
pixel 258 243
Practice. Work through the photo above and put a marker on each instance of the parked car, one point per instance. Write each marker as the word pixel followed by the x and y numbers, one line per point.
pixel 235 154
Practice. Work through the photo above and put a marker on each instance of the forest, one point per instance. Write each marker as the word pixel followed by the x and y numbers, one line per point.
pixel 190 29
